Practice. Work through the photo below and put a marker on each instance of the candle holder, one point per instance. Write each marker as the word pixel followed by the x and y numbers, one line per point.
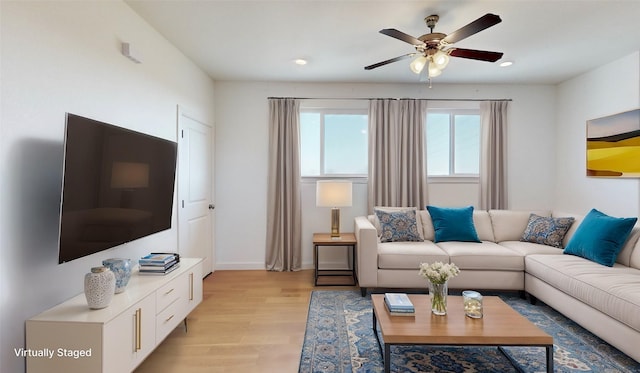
pixel 472 304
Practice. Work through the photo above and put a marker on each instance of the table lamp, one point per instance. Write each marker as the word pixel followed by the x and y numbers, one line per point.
pixel 334 194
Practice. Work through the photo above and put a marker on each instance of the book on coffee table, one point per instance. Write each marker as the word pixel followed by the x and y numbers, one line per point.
pixel 399 313
pixel 398 302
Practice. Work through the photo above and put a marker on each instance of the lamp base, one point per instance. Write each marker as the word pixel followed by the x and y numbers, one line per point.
pixel 335 223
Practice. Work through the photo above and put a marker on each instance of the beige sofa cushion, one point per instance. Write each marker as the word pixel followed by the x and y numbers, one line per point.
pixel 482 256
pixel 482 223
pixel 409 255
pixel 509 225
pixel 427 225
pixel 632 253
pixel 611 290
pixel 529 248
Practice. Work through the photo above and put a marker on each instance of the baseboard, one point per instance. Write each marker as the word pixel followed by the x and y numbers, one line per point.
pixel 252 266
pixel 239 266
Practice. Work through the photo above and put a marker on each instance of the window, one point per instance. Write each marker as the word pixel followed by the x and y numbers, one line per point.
pixel 453 142
pixel 333 143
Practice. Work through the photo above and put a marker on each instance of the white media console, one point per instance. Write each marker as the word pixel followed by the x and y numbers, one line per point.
pixel 72 338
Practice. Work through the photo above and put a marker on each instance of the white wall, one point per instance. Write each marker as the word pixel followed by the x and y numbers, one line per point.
pixel 241 158
pixel 610 89
pixel 62 57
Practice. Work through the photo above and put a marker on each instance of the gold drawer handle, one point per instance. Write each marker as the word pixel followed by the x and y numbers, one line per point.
pixel 190 286
pixel 138 329
pixel 167 320
pixel 169 292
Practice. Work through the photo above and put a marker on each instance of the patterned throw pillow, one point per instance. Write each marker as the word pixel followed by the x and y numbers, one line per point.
pixel 376 221
pixel 546 230
pixel 398 226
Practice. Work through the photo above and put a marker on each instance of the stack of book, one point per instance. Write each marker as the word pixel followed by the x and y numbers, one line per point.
pixel 159 263
pixel 399 304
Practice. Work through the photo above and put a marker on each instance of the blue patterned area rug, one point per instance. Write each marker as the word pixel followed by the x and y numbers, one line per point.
pixel 339 338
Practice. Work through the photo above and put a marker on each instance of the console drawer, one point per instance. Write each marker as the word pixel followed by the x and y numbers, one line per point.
pixel 169 293
pixel 168 319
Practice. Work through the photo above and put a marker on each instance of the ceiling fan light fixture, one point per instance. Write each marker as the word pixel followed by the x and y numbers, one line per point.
pixel 441 59
pixel 418 64
pixel 433 70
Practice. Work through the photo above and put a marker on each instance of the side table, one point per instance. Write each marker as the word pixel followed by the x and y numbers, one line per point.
pixel 347 240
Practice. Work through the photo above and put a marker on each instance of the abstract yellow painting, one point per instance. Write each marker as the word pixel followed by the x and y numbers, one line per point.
pixel 613 145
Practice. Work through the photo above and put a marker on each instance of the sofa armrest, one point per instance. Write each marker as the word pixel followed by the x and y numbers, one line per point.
pixel 367 252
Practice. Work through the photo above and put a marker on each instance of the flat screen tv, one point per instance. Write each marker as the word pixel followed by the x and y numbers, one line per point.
pixel 117 186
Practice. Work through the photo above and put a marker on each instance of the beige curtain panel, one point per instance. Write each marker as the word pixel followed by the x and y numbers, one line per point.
pixel 284 228
pixel 397 153
pixel 493 155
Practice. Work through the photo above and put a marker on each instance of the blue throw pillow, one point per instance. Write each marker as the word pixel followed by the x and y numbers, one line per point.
pixel 398 226
pixel 600 237
pixel 453 224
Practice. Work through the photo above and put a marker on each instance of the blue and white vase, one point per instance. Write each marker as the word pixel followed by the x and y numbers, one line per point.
pixel 122 269
pixel 99 287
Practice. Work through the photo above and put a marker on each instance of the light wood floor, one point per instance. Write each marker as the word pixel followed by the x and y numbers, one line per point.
pixel 249 321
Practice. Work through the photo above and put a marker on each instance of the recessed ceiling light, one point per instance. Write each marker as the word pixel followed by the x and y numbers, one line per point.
pixel 506 63
pixel 300 61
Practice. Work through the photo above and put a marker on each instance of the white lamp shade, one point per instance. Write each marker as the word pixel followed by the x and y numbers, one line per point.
pixel 333 193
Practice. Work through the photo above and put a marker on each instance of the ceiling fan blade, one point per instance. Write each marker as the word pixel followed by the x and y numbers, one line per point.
pixel 475 54
pixel 399 58
pixel 474 27
pixel 401 36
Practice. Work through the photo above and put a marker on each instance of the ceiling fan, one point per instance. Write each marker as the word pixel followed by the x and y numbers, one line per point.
pixel 433 49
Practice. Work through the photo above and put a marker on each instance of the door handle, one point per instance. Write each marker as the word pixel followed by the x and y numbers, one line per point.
pixel 212 207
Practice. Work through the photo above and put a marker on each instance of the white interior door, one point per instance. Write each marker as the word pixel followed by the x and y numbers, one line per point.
pixel 195 189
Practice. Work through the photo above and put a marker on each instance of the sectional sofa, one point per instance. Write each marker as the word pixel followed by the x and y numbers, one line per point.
pixel 603 299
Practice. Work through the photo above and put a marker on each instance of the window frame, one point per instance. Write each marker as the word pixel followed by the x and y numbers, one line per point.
pixel 329 111
pixel 453 177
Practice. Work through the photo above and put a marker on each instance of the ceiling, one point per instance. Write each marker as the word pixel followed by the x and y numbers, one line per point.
pixel 548 41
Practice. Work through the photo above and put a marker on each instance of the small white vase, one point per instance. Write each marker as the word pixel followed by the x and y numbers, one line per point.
pixel 99 287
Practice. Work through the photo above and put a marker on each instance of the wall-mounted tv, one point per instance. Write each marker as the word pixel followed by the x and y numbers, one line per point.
pixel 117 187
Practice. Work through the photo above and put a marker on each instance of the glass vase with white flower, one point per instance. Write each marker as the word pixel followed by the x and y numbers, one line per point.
pixel 438 274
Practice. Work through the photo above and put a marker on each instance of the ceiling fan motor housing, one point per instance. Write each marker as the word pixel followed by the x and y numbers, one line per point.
pixel 431 21
pixel 431 42
pixel 432 39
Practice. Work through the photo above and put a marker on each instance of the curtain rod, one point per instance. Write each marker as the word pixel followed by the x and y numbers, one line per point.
pixel 394 98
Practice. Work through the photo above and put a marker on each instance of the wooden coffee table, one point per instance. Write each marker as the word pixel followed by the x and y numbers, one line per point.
pixel 500 326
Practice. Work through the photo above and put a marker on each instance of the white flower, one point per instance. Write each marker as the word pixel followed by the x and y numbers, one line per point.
pixel 438 272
